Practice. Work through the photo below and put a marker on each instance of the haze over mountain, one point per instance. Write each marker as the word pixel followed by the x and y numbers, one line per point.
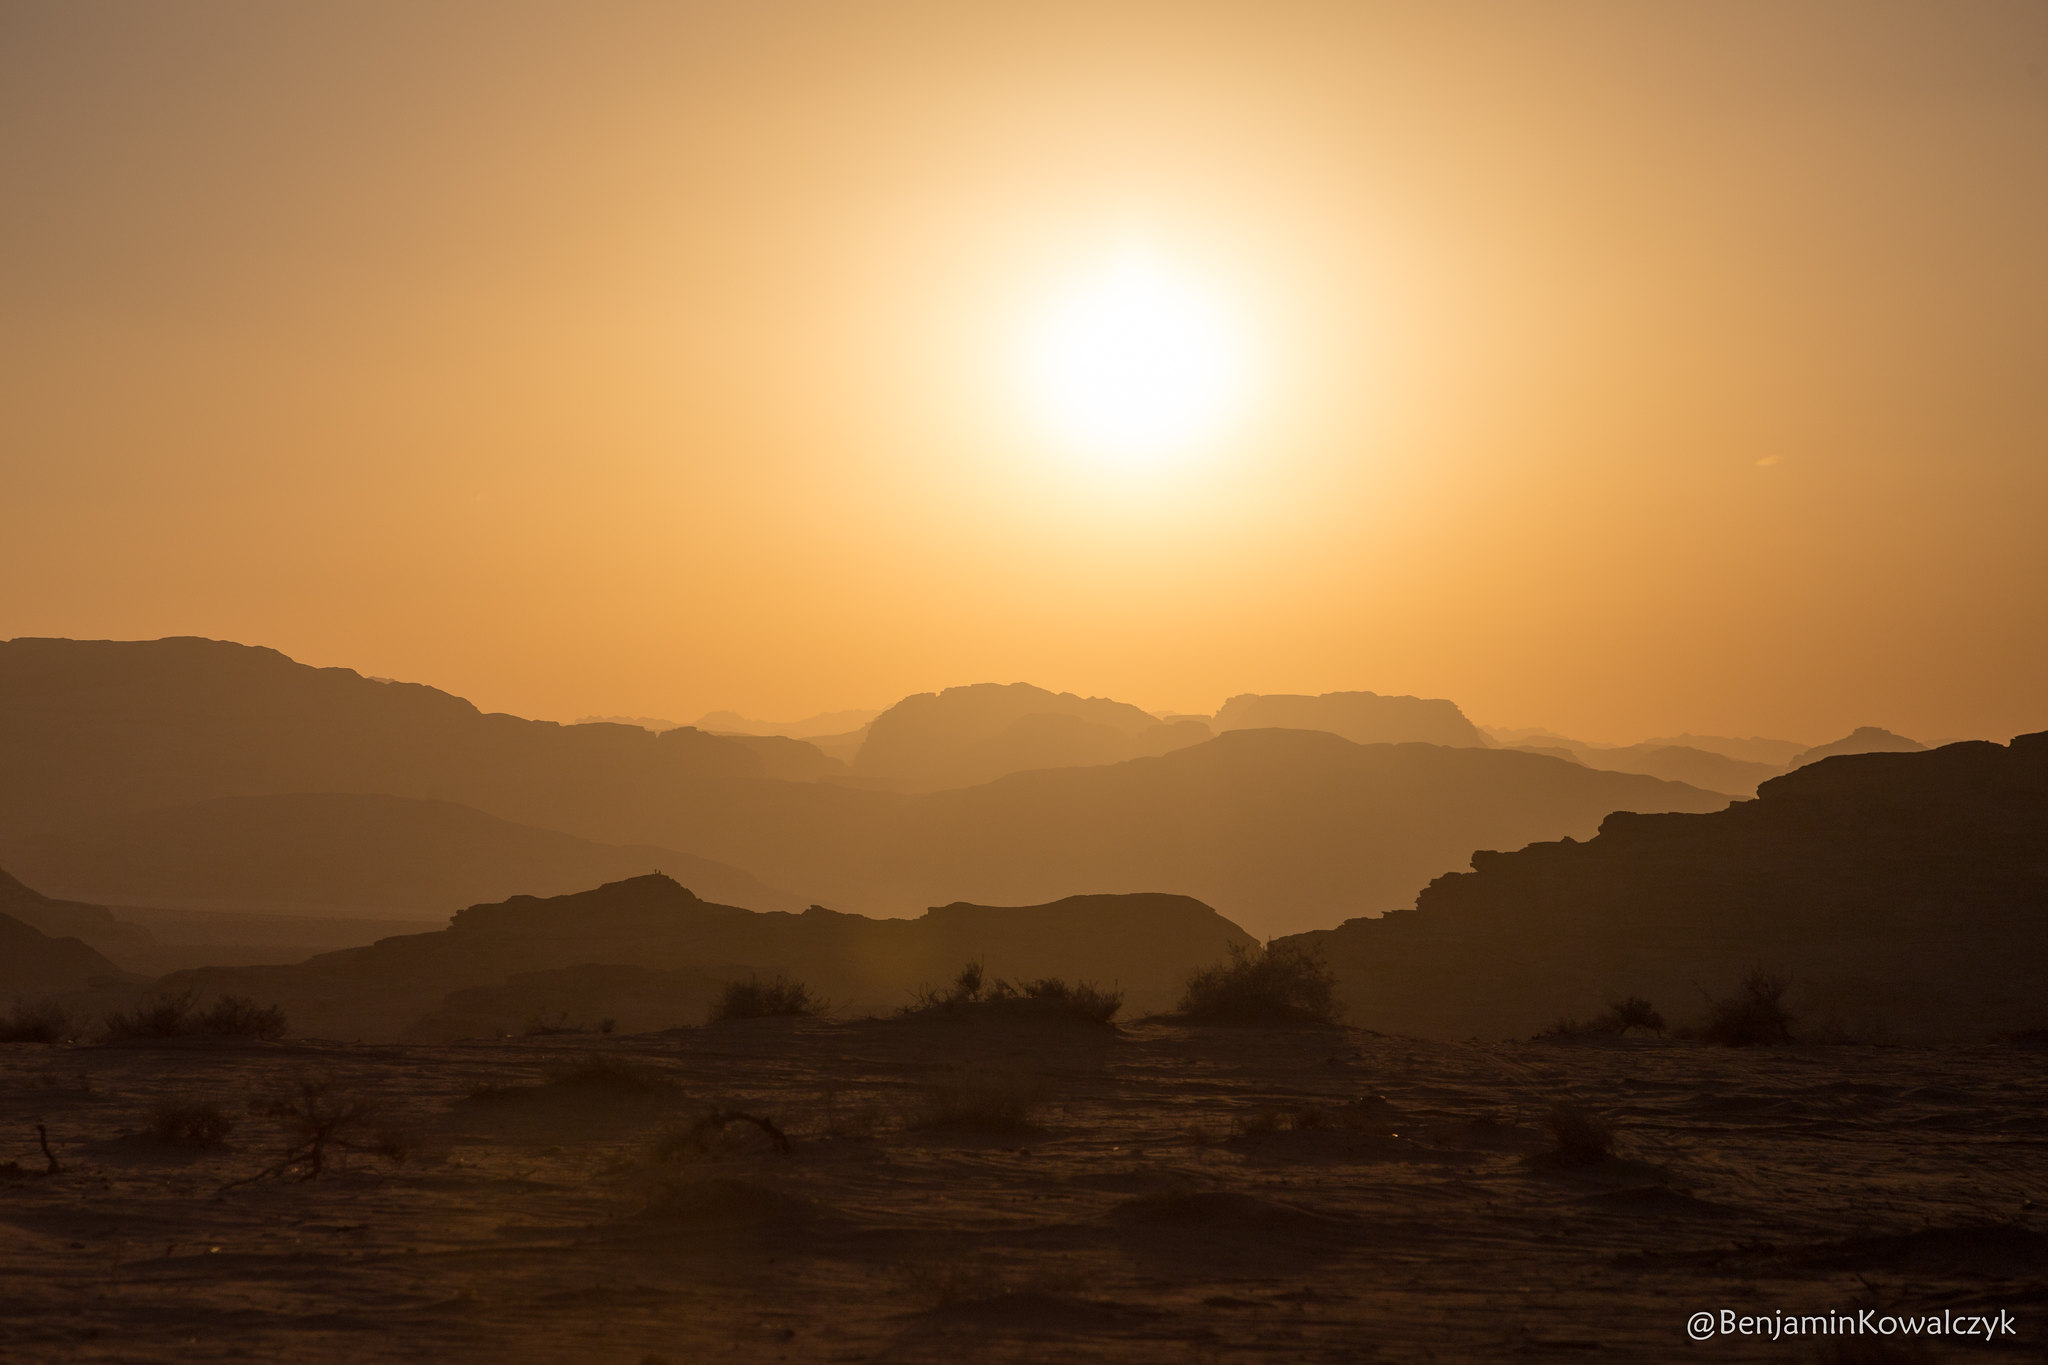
pixel 1281 830
pixel 825 723
pixel 96 727
pixel 1361 717
pixel 650 952
pixel 1901 893
pixel 964 736
pixel 341 853
pixel 116 940
pixel 1672 762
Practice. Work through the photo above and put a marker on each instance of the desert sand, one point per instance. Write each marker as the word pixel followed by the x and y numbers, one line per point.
pixel 1175 1194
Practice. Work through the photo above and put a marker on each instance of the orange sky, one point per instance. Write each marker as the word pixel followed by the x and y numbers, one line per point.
pixel 1626 369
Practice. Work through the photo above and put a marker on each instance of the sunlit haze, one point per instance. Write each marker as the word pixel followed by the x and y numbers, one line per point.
pixel 1618 369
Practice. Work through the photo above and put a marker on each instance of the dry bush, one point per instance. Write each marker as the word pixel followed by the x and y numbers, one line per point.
pixel 1630 1012
pixel 981 1100
pixel 43 1022
pixel 1578 1137
pixel 177 1015
pixel 237 1016
pixel 1620 1018
pixel 154 1016
pixel 973 996
pixel 1754 1017
pixel 195 1123
pixel 757 999
pixel 319 1118
pixel 965 990
pixel 1280 984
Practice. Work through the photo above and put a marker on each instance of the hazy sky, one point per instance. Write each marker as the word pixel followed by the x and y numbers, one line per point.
pixel 1622 368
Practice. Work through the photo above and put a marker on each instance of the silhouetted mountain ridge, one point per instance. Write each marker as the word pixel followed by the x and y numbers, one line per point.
pixel 1147 943
pixel 1901 892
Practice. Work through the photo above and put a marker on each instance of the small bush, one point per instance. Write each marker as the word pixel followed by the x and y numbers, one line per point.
pixel 965 990
pixel 237 1016
pixel 177 1015
pixel 154 1016
pixel 1632 1012
pixel 757 999
pixel 1280 984
pixel 47 1022
pixel 1578 1137
pixel 320 1118
pixel 188 1123
pixel 991 1101
pixel 1620 1018
pixel 1755 1017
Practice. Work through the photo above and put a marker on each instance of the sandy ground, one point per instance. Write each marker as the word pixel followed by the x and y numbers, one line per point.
pixel 1183 1195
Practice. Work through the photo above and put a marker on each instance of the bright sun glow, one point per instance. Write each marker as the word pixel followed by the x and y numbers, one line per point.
pixel 1135 365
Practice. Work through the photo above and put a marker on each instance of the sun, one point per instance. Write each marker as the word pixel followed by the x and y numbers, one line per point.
pixel 1136 364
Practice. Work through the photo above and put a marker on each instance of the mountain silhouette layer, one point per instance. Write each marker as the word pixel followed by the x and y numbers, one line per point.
pixel 113 941
pixel 1901 893
pixel 94 727
pixel 1865 739
pixel 1674 763
pixel 517 952
pixel 1361 717
pixel 1282 830
pixel 339 853
pixel 965 736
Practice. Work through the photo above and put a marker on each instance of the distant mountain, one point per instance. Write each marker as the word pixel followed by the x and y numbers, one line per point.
pixel 34 964
pixel 654 723
pixel 1778 753
pixel 326 854
pixel 126 945
pixel 499 966
pixel 1683 763
pixel 92 728
pixel 1900 893
pixel 1280 829
pixel 1865 739
pixel 965 736
pixel 791 760
pixel 811 727
pixel 1361 717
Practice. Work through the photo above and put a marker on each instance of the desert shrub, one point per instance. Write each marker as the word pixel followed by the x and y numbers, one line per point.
pixel 1631 1012
pixel 1280 984
pixel 984 1100
pixel 1754 1017
pixel 319 1118
pixel 757 999
pixel 199 1123
pixel 1578 1137
pixel 1082 998
pixel 44 1022
pixel 177 1015
pixel 154 1016
pixel 973 995
pixel 237 1016
pixel 965 990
